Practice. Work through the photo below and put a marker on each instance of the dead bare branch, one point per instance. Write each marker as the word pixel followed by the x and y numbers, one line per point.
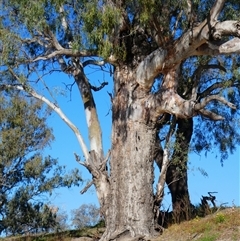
pixel 54 107
pixel 78 159
pixel 104 163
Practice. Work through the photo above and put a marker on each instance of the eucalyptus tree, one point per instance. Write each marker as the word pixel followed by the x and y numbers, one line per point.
pixel 199 134
pixel 145 43
pixel 25 175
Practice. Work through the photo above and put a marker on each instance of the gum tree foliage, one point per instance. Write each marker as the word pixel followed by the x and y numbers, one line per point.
pixel 172 62
pixel 26 177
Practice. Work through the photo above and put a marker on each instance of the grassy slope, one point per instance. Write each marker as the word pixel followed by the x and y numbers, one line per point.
pixel 221 226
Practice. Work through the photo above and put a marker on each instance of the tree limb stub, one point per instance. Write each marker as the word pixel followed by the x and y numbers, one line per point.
pixel 226 28
pixel 211 48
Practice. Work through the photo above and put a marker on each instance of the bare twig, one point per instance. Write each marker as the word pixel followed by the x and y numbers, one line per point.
pixel 79 160
pixel 98 88
pixel 104 163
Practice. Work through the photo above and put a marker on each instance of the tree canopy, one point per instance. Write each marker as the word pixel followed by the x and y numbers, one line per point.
pixel 25 174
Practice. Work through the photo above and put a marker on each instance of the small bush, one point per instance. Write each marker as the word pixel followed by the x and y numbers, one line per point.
pixel 220 218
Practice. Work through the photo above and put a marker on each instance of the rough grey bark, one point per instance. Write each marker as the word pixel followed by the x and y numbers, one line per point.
pixel 133 139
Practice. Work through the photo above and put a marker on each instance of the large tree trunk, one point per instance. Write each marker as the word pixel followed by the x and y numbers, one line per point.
pixel 131 200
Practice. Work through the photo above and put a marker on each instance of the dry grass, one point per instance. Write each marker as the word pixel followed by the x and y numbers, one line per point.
pixel 221 226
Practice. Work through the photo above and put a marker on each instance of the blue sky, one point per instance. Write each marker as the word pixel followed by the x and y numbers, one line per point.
pixel 224 180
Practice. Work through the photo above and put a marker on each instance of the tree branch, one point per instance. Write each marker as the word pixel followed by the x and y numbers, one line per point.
pixel 210 98
pixel 164 166
pixel 170 102
pixel 64 21
pixel 150 67
pixel 89 184
pixel 211 115
pixel 94 129
pixel 217 85
pixel 65 52
pixel 216 10
pixel 231 46
pixel 197 74
pixel 93 62
pixel 55 108
pixel 226 28
pixel 98 88
pixel 193 42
